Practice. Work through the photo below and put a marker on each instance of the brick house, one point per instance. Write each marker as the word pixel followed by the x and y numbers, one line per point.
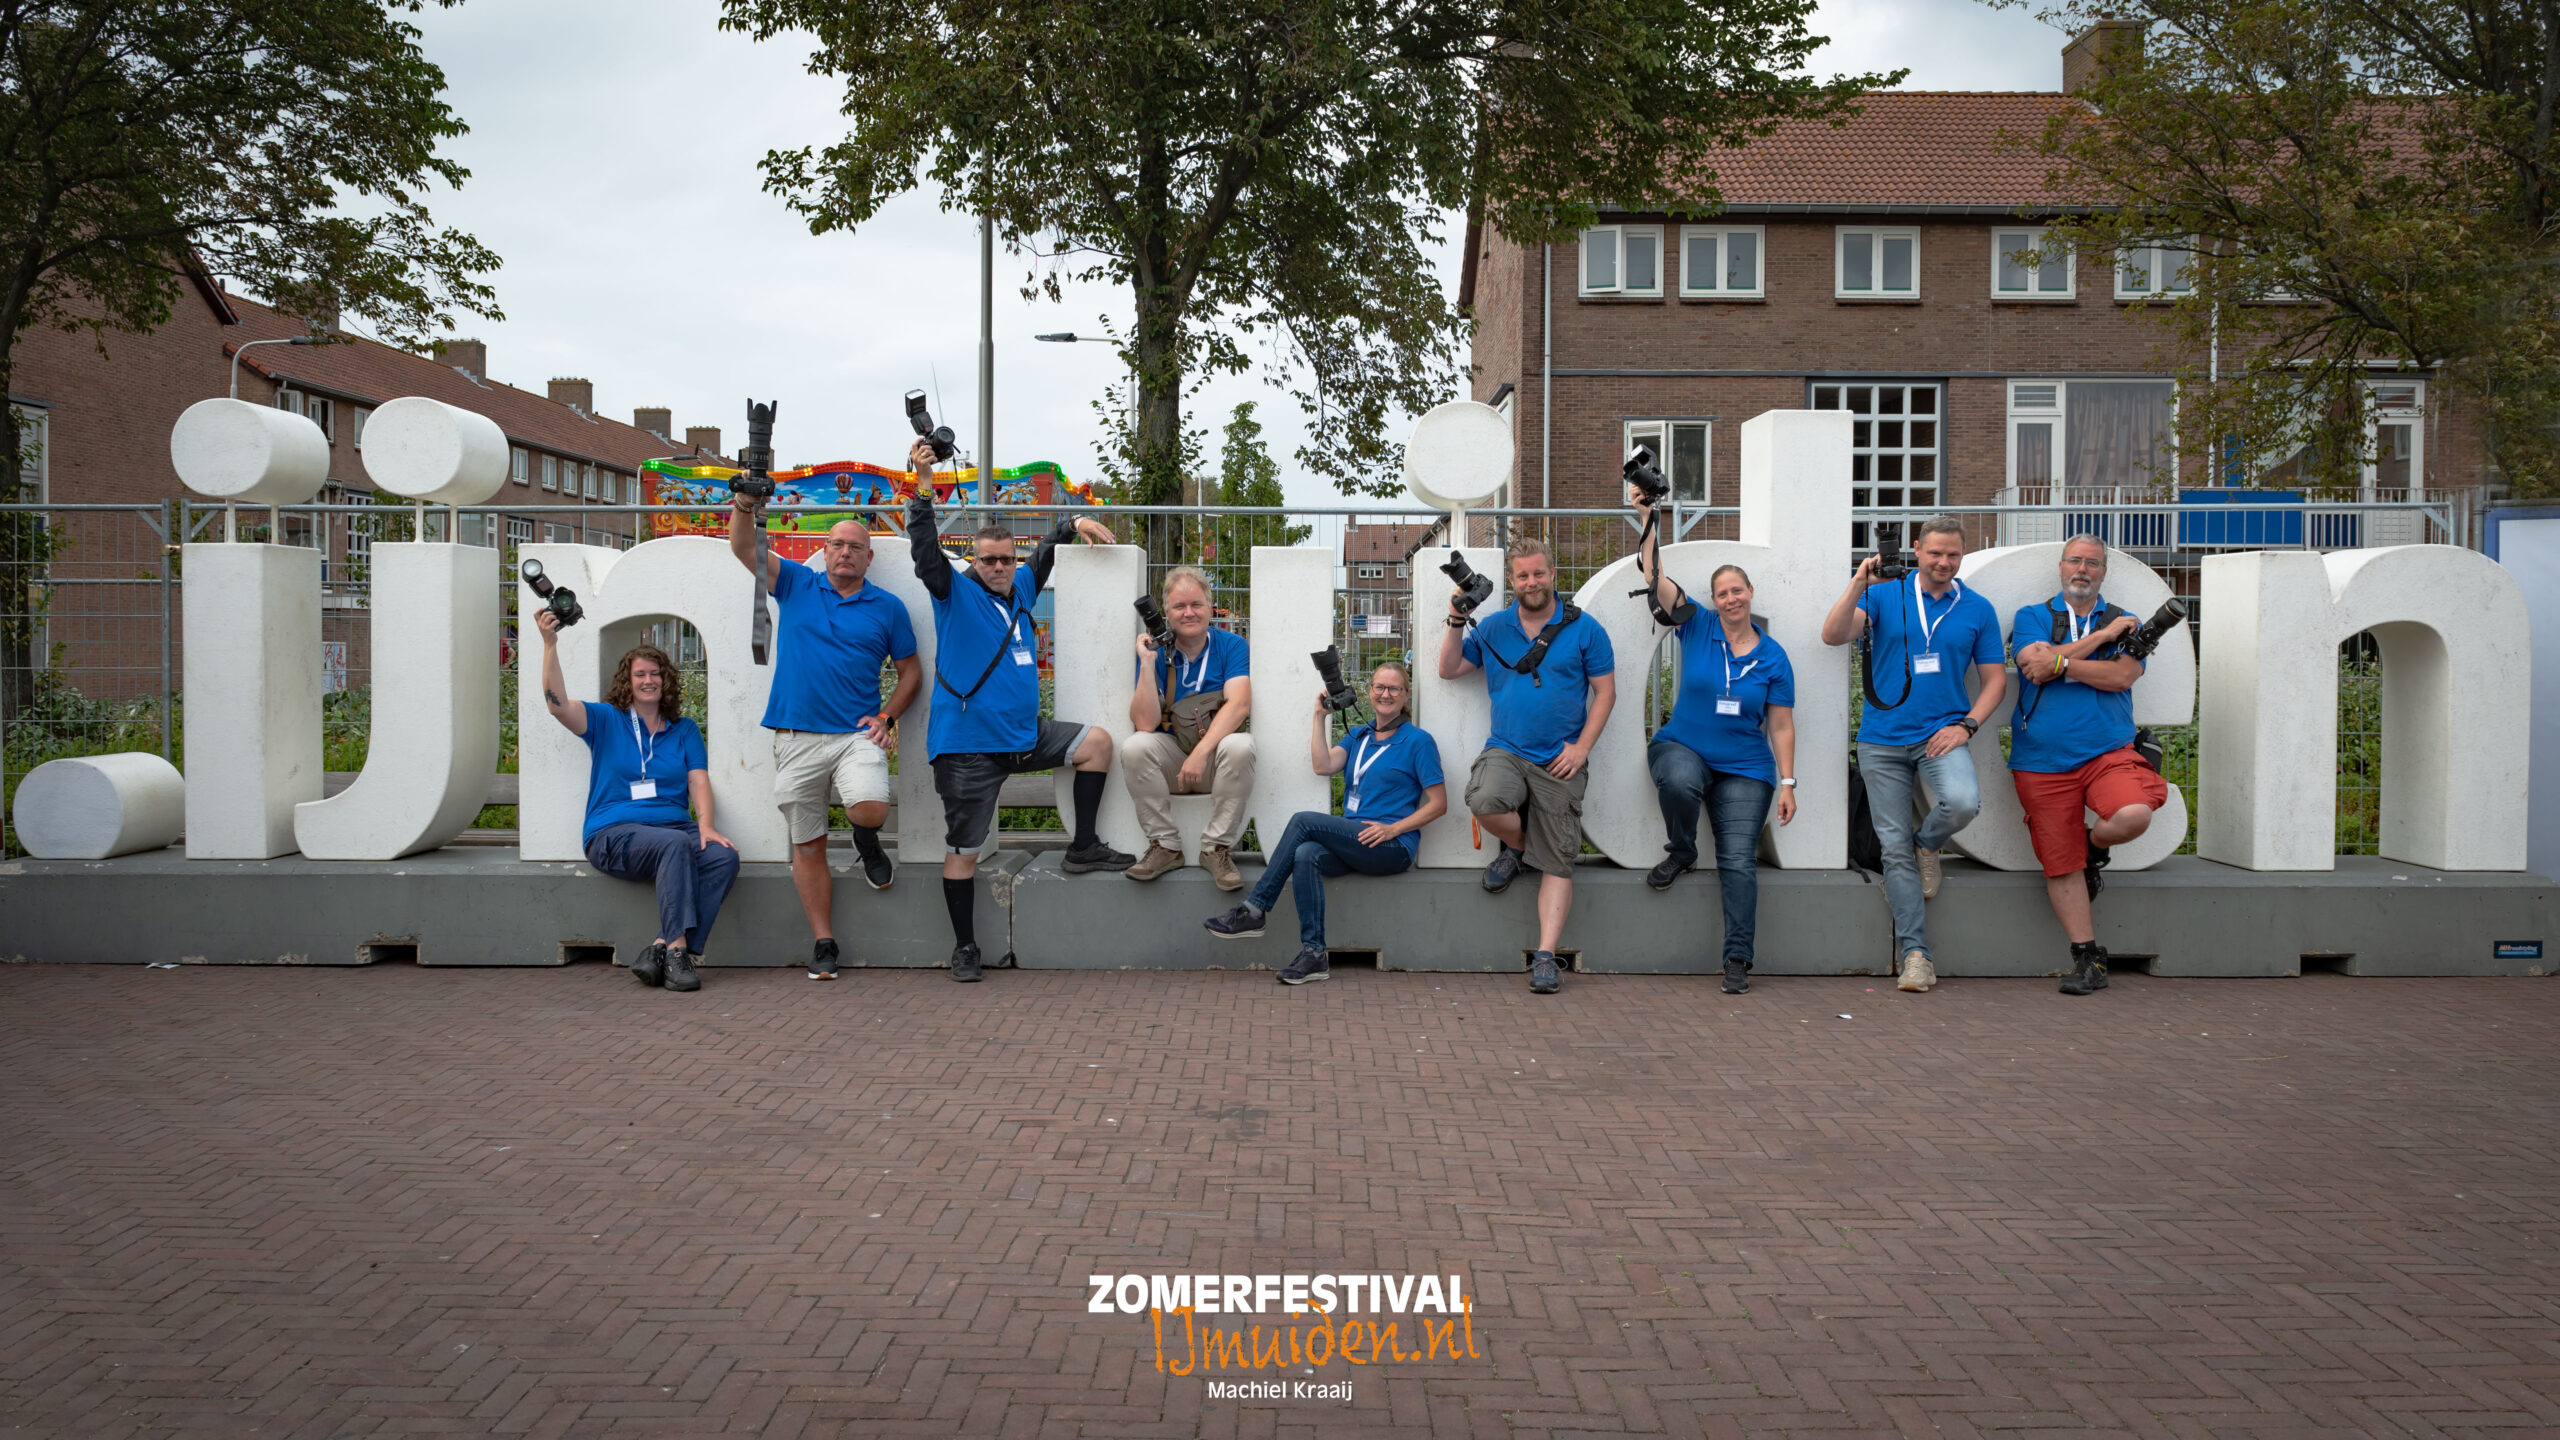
pixel 1875 267
pixel 1377 578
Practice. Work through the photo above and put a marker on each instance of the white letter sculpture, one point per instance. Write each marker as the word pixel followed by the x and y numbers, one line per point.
pixel 1458 458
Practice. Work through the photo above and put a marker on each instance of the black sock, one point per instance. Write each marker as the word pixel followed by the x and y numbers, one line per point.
pixel 960 897
pixel 1088 804
pixel 866 838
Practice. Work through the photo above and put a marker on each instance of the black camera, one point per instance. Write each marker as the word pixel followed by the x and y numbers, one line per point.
pixel 1151 615
pixel 1473 588
pixel 1892 561
pixel 755 458
pixel 1645 475
pixel 2147 638
pixel 563 603
pixel 1338 694
pixel 940 435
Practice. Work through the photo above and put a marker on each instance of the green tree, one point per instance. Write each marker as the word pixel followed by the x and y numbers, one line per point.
pixel 1277 168
pixel 2343 183
pixel 1247 475
pixel 279 143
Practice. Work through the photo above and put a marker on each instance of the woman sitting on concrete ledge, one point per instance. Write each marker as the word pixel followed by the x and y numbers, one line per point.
pixel 646 759
pixel 1394 789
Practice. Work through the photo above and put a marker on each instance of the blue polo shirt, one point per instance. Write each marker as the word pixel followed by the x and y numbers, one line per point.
pixel 1225 657
pixel 2062 724
pixel 1710 672
pixel 1960 628
pixel 828 651
pixel 618 755
pixel 1383 777
pixel 1536 717
pixel 972 624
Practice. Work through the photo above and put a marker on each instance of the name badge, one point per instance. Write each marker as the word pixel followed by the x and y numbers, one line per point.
pixel 1727 705
pixel 644 789
pixel 1021 655
pixel 1351 804
pixel 1925 663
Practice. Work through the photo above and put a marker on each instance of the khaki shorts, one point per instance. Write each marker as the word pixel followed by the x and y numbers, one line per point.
pixel 1550 809
pixel 807 764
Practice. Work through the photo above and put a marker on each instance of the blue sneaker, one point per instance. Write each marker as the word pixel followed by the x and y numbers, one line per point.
pixel 1504 869
pixel 1241 923
pixel 1311 964
pixel 1545 976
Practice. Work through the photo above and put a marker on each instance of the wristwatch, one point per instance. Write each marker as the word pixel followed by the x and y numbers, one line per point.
pixel 1971 725
pixel 1787 781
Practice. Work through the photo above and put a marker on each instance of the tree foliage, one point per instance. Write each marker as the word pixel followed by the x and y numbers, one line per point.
pixel 1269 174
pixel 2366 183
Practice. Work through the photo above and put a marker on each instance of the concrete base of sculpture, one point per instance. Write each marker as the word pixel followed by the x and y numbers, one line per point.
pixel 467 905
pixel 93 806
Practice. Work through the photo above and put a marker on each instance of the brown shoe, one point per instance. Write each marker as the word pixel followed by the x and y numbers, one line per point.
pixel 1157 861
pixel 1221 866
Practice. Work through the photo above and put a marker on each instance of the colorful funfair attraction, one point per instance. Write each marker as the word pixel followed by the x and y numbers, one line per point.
pixel 808 500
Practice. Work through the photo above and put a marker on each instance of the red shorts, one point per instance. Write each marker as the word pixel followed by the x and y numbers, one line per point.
pixel 2053 804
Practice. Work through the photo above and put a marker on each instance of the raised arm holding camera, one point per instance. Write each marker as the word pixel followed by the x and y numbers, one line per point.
pixel 1194 694
pixel 1729 746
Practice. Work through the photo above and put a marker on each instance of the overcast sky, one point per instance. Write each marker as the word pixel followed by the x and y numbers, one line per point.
pixel 614 148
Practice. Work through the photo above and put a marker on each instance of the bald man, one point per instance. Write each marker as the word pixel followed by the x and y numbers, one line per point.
pixel 831 731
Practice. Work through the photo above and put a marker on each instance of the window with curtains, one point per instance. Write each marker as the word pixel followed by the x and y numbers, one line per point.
pixel 2080 441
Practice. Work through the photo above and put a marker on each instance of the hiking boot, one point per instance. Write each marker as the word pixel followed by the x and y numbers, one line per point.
pixel 1221 865
pixel 822 961
pixel 964 964
pixel 650 965
pixel 1931 872
pixel 1241 923
pixel 1545 976
pixel 1917 973
pixel 2088 969
pixel 878 870
pixel 1311 964
pixel 680 971
pixel 1096 856
pixel 1158 861
pixel 1737 977
pixel 1661 876
pixel 1504 869
pixel 2099 856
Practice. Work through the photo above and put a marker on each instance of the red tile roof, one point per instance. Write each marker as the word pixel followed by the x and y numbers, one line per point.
pixel 369 372
pixel 1908 149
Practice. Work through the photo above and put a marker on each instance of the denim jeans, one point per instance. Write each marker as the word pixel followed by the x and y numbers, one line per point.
pixel 1888 771
pixel 1314 846
pixel 1736 807
pixel 692 878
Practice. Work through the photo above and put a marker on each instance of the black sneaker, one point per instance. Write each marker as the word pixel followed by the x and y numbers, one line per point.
pixel 1661 876
pixel 1545 976
pixel 1737 977
pixel 1504 869
pixel 1241 923
pixel 822 961
pixel 1311 964
pixel 878 870
pixel 1083 859
pixel 964 964
pixel 650 965
pixel 2088 969
pixel 2099 857
pixel 680 971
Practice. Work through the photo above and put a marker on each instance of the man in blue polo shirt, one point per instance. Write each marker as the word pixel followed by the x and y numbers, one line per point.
pixel 830 730
pixel 1549 671
pixel 1926 631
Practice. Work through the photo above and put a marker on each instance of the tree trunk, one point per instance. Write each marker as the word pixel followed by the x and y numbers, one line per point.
pixel 1156 428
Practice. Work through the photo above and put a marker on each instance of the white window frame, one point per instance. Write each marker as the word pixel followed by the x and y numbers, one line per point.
pixel 360 414
pixel 2156 286
pixel 519 531
pixel 322 413
pixel 550 472
pixel 1615 237
pixel 1877 234
pixel 2412 413
pixel 1717 289
pixel 1861 529
pixel 1373 572
pixel 519 464
pixel 2034 235
pixel 587 486
pixel 1658 435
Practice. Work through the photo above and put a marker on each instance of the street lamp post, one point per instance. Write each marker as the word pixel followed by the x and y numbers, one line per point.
pixel 231 509
pixel 1129 411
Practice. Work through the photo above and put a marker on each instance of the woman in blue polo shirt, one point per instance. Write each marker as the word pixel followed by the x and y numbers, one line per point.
pixel 1730 745
pixel 1392 788
pixel 645 760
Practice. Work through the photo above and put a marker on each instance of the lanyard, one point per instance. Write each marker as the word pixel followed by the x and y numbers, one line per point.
pixel 1920 602
pixel 2080 628
pixel 1187 681
pixel 1004 613
pixel 1729 676
pixel 1361 762
pixel 648 751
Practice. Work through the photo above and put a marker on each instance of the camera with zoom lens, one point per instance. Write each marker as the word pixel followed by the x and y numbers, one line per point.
pixel 1151 615
pixel 1892 561
pixel 755 458
pixel 563 603
pixel 940 436
pixel 2147 638
pixel 1474 588
pixel 1338 694
pixel 1643 473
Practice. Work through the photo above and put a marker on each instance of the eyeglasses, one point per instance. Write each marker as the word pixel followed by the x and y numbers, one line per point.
pixel 997 559
pixel 2082 563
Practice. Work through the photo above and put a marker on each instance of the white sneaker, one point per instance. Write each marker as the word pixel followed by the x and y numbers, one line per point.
pixel 1917 973
pixel 1931 872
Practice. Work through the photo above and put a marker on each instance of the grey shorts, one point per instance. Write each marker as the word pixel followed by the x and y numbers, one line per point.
pixel 1550 810
pixel 971 781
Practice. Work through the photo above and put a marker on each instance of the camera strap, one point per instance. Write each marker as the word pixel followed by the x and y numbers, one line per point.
pixel 1566 613
pixel 1676 616
pixel 1013 628
pixel 2064 622
pixel 760 632
pixel 1867 669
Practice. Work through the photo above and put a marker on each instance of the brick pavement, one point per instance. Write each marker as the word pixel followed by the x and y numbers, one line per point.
pixel 291 1203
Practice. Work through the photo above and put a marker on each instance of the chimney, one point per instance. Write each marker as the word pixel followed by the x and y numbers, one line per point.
pixel 661 423
pixel 579 395
pixel 2095 50
pixel 703 438
pixel 324 318
pixel 468 356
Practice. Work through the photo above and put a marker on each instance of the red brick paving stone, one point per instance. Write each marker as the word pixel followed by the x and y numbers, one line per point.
pixel 550 1204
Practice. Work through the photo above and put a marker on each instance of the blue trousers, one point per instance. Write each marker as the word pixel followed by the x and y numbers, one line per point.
pixel 1889 772
pixel 692 878
pixel 1736 807
pixel 1313 847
